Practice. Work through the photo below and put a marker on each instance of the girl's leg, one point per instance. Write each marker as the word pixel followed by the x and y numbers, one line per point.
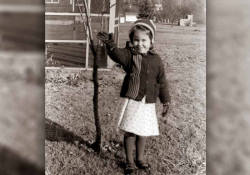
pixel 140 147
pixel 129 142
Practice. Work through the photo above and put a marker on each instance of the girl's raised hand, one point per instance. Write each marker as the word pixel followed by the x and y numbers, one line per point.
pixel 108 39
pixel 105 37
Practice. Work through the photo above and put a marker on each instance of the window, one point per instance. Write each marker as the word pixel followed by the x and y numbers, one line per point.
pixel 51 1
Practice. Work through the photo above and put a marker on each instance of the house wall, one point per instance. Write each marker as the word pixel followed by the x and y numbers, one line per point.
pixel 67 6
pixel 62 6
pixel 72 28
pixel 131 18
pixel 73 55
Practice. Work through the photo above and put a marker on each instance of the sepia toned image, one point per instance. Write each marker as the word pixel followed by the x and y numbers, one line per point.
pixel 125 87
pixel 49 123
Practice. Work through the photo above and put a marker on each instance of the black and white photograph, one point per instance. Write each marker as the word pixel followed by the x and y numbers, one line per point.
pixel 125 87
pixel 143 87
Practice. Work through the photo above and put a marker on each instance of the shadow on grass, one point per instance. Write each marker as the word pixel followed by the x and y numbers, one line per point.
pixel 55 132
pixel 13 164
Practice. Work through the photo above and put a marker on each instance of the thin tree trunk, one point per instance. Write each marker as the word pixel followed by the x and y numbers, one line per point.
pixel 98 143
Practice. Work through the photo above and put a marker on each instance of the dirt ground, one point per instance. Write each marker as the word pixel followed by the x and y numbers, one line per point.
pixel 181 147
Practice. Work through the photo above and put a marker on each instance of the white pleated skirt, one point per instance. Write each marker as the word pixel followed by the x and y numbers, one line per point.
pixel 138 117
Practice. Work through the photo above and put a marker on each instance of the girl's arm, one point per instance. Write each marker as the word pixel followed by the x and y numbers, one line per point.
pixel 164 92
pixel 120 56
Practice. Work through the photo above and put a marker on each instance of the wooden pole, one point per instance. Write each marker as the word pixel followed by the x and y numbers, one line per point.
pixel 112 9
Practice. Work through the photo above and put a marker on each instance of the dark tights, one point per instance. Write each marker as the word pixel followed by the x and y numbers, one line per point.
pixel 129 141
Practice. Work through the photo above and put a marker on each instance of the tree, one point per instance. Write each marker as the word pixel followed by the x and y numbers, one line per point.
pixel 176 9
pixel 124 7
pixel 186 7
pixel 98 143
pixel 170 10
pixel 200 12
pixel 146 9
pixel 127 6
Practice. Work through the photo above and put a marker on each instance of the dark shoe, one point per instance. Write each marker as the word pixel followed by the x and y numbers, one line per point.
pixel 129 168
pixel 142 165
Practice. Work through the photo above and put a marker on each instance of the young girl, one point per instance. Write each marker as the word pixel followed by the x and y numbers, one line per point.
pixel 144 81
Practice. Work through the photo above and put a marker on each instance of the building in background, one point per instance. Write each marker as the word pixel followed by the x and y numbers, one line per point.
pixel 65 35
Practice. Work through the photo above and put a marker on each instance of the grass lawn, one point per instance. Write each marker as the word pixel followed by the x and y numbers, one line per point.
pixel 181 147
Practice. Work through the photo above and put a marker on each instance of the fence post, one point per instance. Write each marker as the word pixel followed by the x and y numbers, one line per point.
pixel 110 63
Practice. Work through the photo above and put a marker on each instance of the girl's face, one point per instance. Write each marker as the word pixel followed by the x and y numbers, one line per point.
pixel 141 41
